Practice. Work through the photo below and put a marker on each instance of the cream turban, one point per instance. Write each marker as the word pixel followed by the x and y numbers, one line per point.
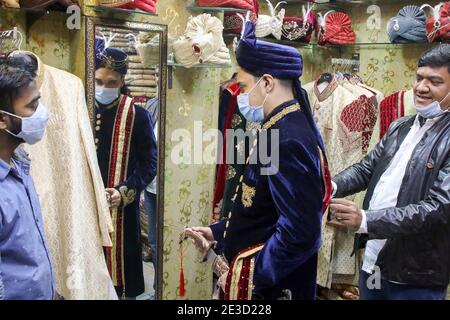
pixel 202 42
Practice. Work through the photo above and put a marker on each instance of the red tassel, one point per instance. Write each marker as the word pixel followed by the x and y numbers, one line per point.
pixel 182 290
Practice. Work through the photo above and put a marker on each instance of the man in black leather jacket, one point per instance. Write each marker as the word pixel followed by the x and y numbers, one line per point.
pixel 405 221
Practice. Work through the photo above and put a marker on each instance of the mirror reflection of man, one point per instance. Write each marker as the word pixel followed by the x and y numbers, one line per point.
pixel 126 150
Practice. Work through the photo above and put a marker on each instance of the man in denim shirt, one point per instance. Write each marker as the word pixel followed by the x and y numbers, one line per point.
pixel 25 264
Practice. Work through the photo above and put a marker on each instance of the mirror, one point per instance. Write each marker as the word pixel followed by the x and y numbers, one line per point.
pixel 126 92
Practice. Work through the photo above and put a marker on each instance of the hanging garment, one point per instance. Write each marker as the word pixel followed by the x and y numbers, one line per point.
pixel 344 115
pixel 229 107
pixel 70 188
pixel 393 107
pixel 270 25
pixel 408 26
pixel 202 42
pixel 359 116
pixel 438 26
pixel 336 28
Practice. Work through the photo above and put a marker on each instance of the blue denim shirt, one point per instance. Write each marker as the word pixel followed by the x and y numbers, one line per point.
pixel 25 265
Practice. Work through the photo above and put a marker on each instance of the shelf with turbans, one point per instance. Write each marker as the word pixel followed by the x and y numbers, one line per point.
pixel 362 45
pixel 334 3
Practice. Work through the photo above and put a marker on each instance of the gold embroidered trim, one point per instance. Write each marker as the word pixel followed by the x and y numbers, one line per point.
pixel 251 287
pixel 280 115
pixel 247 195
pixel 237 270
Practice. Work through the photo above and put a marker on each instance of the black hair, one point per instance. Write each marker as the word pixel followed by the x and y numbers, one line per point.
pixel 436 57
pixel 16 73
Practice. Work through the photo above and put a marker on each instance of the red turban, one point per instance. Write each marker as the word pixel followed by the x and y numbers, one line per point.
pixel 238 4
pixel 438 27
pixel 144 5
pixel 337 29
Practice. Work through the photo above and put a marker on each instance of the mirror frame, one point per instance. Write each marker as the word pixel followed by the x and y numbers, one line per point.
pixel 91 23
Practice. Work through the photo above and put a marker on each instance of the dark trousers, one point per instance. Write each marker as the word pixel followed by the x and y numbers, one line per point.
pixel 392 291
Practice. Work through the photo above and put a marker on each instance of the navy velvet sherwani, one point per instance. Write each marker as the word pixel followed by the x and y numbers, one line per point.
pixel 282 210
pixel 142 167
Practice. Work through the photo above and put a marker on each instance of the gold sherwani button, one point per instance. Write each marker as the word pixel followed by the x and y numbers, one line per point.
pixel 97 128
pixel 429 165
pixel 96 140
pixel 99 122
pixel 99 115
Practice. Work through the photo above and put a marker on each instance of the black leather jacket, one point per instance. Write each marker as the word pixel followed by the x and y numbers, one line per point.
pixel 417 251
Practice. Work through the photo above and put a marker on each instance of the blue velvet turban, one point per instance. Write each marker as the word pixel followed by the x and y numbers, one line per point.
pixel 280 61
pixel 112 58
pixel 261 57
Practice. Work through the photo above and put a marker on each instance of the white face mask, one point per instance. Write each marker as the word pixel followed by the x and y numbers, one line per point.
pixel 106 95
pixel 253 114
pixel 33 128
pixel 432 110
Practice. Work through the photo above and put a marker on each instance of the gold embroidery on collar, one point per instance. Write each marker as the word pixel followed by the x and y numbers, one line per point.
pixel 280 115
pixel 247 195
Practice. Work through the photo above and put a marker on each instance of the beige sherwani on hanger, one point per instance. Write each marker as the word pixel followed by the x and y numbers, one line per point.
pixel 70 188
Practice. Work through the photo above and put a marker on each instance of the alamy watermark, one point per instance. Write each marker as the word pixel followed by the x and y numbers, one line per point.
pixel 205 147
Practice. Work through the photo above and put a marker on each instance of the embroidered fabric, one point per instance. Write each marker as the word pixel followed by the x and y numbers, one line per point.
pixel 202 42
pixel 70 188
pixel 300 29
pixel 234 24
pixel 345 114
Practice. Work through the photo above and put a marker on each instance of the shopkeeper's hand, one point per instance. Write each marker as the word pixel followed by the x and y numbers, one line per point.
pixel 116 197
pixel 346 213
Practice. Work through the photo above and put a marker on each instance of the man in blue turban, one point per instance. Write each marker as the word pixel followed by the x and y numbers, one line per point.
pixel 127 156
pixel 272 234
